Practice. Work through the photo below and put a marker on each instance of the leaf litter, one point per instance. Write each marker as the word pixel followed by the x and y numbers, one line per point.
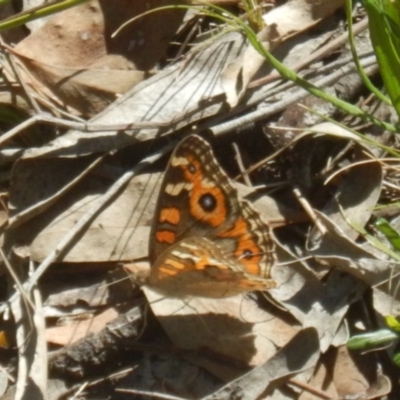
pixel 67 214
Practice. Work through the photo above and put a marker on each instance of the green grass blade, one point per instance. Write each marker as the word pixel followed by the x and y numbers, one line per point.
pixel 36 13
pixel 384 26
pixel 367 82
pixel 390 233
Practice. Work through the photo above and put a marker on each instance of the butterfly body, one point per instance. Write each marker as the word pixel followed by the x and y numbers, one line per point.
pixel 204 240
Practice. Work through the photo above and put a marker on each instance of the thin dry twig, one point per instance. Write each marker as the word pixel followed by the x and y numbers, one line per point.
pixel 309 210
pixel 15 278
pixel 31 342
pixel 151 394
pixel 18 78
pixel 310 389
pixel 83 126
pixel 242 169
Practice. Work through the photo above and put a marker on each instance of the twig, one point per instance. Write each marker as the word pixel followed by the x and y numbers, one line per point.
pixel 38 368
pixel 151 394
pixel 242 169
pixel 310 389
pixel 15 279
pixel 18 78
pixel 308 209
pixel 83 126
pixel 14 131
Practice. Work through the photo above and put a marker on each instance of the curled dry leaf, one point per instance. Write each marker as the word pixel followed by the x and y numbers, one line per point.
pixel 353 376
pixel 296 15
pixel 238 74
pixel 356 196
pixel 348 379
pixel 337 250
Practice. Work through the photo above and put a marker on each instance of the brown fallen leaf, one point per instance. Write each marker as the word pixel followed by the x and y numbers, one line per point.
pixel 72 332
pixel 246 332
pixel 73 60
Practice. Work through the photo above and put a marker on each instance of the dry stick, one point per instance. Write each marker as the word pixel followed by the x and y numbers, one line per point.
pixel 43 205
pixel 151 394
pixel 86 219
pixel 78 389
pixel 83 126
pixel 18 78
pixel 31 345
pixel 33 96
pixel 15 278
pixel 309 210
pixel 93 127
pixel 14 131
pixel 302 385
pixel 242 169
pixel 21 334
pixel 38 367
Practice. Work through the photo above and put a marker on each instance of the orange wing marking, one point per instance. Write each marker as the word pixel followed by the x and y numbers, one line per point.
pixel 170 215
pixel 215 216
pixel 171 268
pixel 245 245
pixel 165 237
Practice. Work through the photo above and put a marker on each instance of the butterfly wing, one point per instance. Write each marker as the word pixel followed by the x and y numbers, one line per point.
pixel 197 200
pixel 198 267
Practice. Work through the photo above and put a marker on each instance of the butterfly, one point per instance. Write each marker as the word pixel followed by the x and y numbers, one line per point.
pixel 204 240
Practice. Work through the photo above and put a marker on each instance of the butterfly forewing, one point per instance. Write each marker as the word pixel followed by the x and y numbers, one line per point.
pixel 196 197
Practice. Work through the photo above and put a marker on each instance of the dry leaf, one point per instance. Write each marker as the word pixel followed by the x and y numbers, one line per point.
pixel 246 333
pixel 284 364
pixel 75 330
pixel 297 15
pixel 73 58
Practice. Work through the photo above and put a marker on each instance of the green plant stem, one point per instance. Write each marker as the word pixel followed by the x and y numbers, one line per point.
pixel 364 77
pixel 37 12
